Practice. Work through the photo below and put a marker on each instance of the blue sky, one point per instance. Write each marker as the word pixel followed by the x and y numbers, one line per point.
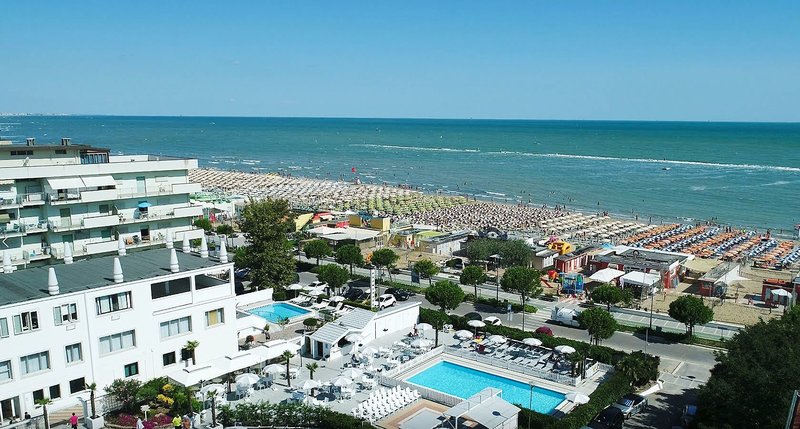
pixel 636 60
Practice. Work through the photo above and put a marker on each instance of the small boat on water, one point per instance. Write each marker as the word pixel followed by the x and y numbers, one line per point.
pixel 666 168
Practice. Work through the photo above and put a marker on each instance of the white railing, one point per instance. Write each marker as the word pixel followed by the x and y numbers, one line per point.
pixel 429 394
pixel 418 360
pixel 512 366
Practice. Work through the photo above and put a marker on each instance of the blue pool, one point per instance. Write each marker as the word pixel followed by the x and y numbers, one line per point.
pixel 279 311
pixel 464 382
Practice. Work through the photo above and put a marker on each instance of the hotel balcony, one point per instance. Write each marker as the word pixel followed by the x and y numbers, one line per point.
pixel 22 200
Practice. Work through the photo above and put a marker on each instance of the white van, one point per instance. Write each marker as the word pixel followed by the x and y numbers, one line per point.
pixel 565 316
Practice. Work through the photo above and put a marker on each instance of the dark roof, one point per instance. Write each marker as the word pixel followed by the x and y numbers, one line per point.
pixel 31 283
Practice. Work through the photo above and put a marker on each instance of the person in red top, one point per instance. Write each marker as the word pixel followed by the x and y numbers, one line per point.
pixel 73 421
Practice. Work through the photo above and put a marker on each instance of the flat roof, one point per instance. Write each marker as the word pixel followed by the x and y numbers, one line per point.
pixel 720 271
pixel 96 272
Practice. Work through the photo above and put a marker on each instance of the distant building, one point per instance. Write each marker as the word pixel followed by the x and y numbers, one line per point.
pixel 444 244
pixel 575 261
pixel 56 194
pixel 668 265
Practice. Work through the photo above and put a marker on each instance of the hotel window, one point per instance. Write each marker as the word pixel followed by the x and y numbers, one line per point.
pixel 5 370
pixel 132 369
pixel 27 321
pixel 176 327
pixel 66 313
pixel 112 303
pixel 169 288
pixel 55 391
pixel 34 363
pixel 74 353
pixel 168 358
pixel 116 342
pixel 77 385
pixel 3 327
pixel 215 317
pixel 38 395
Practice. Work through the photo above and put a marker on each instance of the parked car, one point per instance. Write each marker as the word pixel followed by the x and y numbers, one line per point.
pixel 545 330
pixel 386 300
pixel 610 418
pixel 399 294
pixel 565 316
pixel 473 316
pixel 689 416
pixel 355 294
pixel 631 404
pixel 317 284
pixel 493 320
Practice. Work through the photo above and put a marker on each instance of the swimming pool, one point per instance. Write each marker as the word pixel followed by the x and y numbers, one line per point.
pixel 279 311
pixel 464 382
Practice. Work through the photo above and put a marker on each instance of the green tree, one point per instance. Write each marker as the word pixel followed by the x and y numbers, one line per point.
pixel 479 250
pixel 438 319
pixel 524 281
pixel 92 388
pixel 690 311
pixel 224 229
pixel 312 368
pixel 384 258
pixel 44 402
pixel 124 392
pixel 752 382
pixel 426 269
pixel 445 294
pixel 266 224
pixel 349 254
pixel 515 253
pixel 607 294
pixel 317 249
pixel 287 357
pixel 203 224
pixel 191 346
pixel 640 368
pixel 473 275
pixel 599 323
pixel 334 275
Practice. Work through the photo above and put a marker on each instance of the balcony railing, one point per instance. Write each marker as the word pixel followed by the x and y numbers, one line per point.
pixel 23 199
pixel 17 228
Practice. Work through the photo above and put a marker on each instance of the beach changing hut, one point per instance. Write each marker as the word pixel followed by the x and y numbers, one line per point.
pixel 717 281
pixel 640 283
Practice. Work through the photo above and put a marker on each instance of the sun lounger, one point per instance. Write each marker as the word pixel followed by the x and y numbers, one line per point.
pixel 321 305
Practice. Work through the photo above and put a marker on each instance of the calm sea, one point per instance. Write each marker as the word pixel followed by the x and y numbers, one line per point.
pixel 744 174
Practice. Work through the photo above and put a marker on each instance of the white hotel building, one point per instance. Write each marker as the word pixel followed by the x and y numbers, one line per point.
pixel 52 194
pixel 88 324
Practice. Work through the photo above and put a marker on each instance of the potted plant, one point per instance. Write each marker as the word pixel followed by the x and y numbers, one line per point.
pixel 94 421
pixel 191 346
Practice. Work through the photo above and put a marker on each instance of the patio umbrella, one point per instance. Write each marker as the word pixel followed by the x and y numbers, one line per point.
pixel 295 286
pixel 273 369
pixel 342 381
pixel 315 292
pixel 476 324
pixel 352 373
pixel 248 379
pixel 353 338
pixel 564 349
pixel 577 397
pixel 497 339
pixel 424 326
pixel 464 334
pixel 532 341
pixel 421 343
pixel 220 389
pixel 337 298
pixel 310 384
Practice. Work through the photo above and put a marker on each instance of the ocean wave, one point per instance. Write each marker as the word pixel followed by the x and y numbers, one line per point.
pixel 651 161
pixel 426 149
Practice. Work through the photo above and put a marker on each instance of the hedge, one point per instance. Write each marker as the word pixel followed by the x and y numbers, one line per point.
pixel 501 304
pixel 295 415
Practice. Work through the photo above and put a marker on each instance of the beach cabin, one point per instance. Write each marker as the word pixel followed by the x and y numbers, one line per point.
pixel 442 243
pixel 543 257
pixel 640 283
pixel 575 261
pixel 668 265
pixel 717 281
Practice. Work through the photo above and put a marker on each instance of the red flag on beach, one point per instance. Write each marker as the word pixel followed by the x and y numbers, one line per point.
pixel 353 169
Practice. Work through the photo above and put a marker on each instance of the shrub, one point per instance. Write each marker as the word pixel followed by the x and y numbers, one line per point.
pixel 279 295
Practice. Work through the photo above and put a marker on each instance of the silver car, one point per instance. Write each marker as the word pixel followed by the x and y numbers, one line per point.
pixel 631 404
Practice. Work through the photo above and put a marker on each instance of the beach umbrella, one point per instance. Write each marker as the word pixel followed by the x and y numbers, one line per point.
pixel 247 379
pixel 342 381
pixel 354 338
pixel 564 349
pixel 532 341
pixel 352 373
pixel 310 384
pixel 315 292
pixel 464 334
pixel 577 397
pixel 337 298
pixel 220 389
pixel 273 369
pixel 421 343
pixel 497 339
pixel 424 326
pixel 295 286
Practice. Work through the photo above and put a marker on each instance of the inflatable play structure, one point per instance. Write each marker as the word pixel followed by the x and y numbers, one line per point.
pixel 557 245
pixel 572 283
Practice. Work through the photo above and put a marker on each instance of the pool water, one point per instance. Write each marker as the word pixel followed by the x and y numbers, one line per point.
pixel 278 311
pixel 464 382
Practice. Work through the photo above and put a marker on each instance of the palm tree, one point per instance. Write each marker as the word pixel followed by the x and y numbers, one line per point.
pixel 287 355
pixel 44 402
pixel 212 394
pixel 191 346
pixel 311 367
pixel 92 388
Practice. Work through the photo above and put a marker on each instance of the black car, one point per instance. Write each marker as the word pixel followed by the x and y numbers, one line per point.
pixel 355 294
pixel 473 316
pixel 610 418
pixel 399 294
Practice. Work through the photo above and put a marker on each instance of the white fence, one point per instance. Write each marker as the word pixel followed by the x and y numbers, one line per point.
pixel 417 361
pixel 500 363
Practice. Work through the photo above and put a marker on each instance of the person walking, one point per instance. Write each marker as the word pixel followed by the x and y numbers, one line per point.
pixel 139 424
pixel 176 422
pixel 73 421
